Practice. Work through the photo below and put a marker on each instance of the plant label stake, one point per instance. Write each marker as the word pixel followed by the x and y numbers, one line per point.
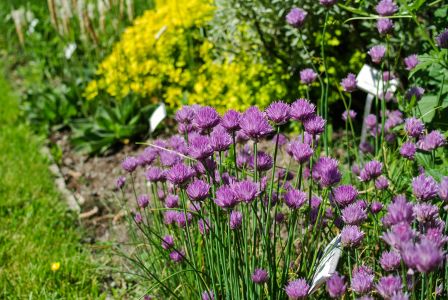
pixel 370 81
pixel 157 117
pixel 327 264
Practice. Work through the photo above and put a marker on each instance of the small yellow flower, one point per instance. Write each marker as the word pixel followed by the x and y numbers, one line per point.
pixel 55 266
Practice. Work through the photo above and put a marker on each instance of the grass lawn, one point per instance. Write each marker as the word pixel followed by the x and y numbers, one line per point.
pixel 35 227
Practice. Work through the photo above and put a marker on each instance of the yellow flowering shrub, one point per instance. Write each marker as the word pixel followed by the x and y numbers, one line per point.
pixel 164 56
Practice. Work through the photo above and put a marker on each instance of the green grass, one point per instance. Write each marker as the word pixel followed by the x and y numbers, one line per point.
pixel 35 227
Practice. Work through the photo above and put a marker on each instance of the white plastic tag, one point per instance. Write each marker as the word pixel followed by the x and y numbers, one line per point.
pixel 327 264
pixel 370 81
pixel 157 116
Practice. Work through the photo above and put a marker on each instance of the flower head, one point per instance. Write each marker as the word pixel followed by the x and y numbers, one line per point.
pixel 411 61
pixel 185 115
pixel 200 147
pixel 231 120
pixel 177 256
pixel 206 118
pixel 179 174
pixel 208 295
pixel 294 199
pixel 236 219
pixel 326 171
pixel 225 197
pixel 351 236
pixel 245 190
pixel 376 207
pixel 307 76
pixel 371 170
pixel 408 150
pixel 296 17
pixel 297 289
pixel 362 279
pixel 350 114
pixel 349 83
pixel 198 190
pixel 129 164
pixel 398 211
pixel 388 286
pixel 344 195
pixel 428 256
pixel 254 125
pixel 398 235
pixel 384 25
pixel 353 214
pixel 155 174
pixel 381 183
pixel 443 189
pixel 172 201
pixel 220 139
pixel 278 112
pixel 143 201
pixel 138 218
pixel 119 183
pixel 442 39
pixel 167 242
pixel 301 152
pixel 414 91
pixel 377 53
pixel 336 286
pixel 260 276
pixel 328 3
pixel 431 141
pixel 302 109
pixel 314 125
pixel 414 127
pixel 390 260
pixel 386 8
pixel 424 187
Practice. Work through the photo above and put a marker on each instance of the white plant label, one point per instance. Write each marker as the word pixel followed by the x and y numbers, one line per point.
pixel 370 81
pixel 69 50
pixel 157 117
pixel 327 264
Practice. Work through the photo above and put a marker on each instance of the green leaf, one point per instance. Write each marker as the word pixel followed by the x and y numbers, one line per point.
pixel 427 107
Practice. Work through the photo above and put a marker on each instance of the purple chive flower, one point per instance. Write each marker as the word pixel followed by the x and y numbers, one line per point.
pixel 399 296
pixel 384 25
pixel 119 183
pixel 236 219
pixel 386 8
pixel 301 152
pixel 254 125
pixel 302 109
pixel 377 53
pixel 408 150
pixel 371 170
pixel 278 112
pixel 294 199
pixel 172 201
pixel 279 217
pixel 344 195
pixel 431 141
pixel 326 172
pixel 349 83
pixel 260 276
pixel 297 289
pixel 177 256
pixel 353 214
pixel 424 187
pixel 148 297
pixel 138 218
pixel 442 39
pixel 204 226
pixel 169 159
pixel 220 140
pixel 398 211
pixel 328 3
pixel 129 164
pixel 443 189
pixel 155 174
pixel 143 201
pixel 167 242
pixel 170 217
pixel 366 147
pixel 376 207
pixel 411 61
pixel 370 121
pixel 308 76
pixel 185 115
pixel 351 114
pixel 245 190
pixel 436 236
pixel 314 125
pixel 425 213
pixel 388 286
pixel 296 17
pixel 206 118
pixel 381 183
pixel 362 279
pixel 390 260
pixel 179 174
pixel 200 147
pixel 231 120
pixel 428 256
pixel 198 190
pixel 225 197
pixel 351 236
pixel 414 91
pixel 264 161
pixel 398 235
pixel 336 286
pixel 208 295
pixel 414 127
pixel 183 219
